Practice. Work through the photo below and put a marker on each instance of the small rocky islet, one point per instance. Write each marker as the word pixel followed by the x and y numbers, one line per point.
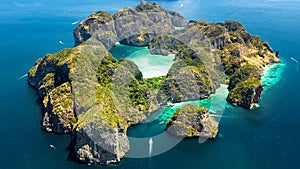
pixel 192 121
pixel 87 92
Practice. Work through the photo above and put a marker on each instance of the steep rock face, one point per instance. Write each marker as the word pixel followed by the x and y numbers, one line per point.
pixel 51 76
pixel 243 73
pixel 95 136
pixel 109 146
pixel 100 21
pixel 246 93
pixel 135 27
pixel 87 91
pixel 187 80
pixel 214 34
pixel 164 45
pixel 229 53
pixel 59 115
pixel 192 121
pixel 243 58
pixel 109 98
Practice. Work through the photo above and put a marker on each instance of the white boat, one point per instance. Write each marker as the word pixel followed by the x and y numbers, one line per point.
pixel 170 104
pixel 52 146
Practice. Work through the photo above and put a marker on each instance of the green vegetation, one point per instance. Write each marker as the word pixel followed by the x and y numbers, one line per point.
pixel 243 73
pixel 243 92
pixel 61 103
pixel 188 109
pixel 120 93
pixel 191 58
pixel 106 71
pixel 47 83
pixel 166 44
pixel 103 15
pixel 32 72
pixel 233 26
pixel 187 120
pixel 196 66
pixel 188 57
pixel 66 56
pixel 187 79
pixel 155 83
pixel 105 112
pixel 153 7
pixel 241 54
pixel 213 31
pixel 230 57
pixel 137 95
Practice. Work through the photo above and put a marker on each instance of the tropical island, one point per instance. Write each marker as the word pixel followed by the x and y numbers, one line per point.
pixel 87 92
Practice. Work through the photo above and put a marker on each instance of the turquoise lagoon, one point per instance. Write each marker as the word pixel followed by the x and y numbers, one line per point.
pixel 150 65
pixel 264 138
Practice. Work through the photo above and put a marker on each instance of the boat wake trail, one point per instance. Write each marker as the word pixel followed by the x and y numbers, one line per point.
pixel 215 115
pixel 295 60
pixel 23 76
pixel 150 146
pixel 73 23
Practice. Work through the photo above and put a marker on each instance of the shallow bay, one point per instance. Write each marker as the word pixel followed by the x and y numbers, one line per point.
pixel 263 138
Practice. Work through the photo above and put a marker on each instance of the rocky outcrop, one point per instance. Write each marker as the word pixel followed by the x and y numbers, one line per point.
pixel 86 91
pixel 187 80
pixel 97 21
pixel 165 44
pixel 243 73
pixel 221 47
pixel 193 121
pixel 107 146
pixel 246 93
pixel 108 100
pixel 130 26
pixel 51 76
pixel 229 55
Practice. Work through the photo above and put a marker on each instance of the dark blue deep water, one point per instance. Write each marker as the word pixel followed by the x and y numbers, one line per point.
pixel 266 138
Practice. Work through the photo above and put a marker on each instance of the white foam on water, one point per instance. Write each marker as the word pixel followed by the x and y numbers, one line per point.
pixel 21 77
pixel 295 60
pixel 74 23
pixel 272 74
pixel 150 146
pixel 297 63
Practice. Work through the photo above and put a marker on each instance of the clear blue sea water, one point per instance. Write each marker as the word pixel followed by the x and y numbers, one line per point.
pixel 265 138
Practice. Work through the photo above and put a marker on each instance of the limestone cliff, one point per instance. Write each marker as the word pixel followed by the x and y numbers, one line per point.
pixel 108 99
pixel 84 90
pixel 188 79
pixel 87 91
pixel 130 26
pixel 246 93
pixel 51 76
pixel 94 22
pixel 228 54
